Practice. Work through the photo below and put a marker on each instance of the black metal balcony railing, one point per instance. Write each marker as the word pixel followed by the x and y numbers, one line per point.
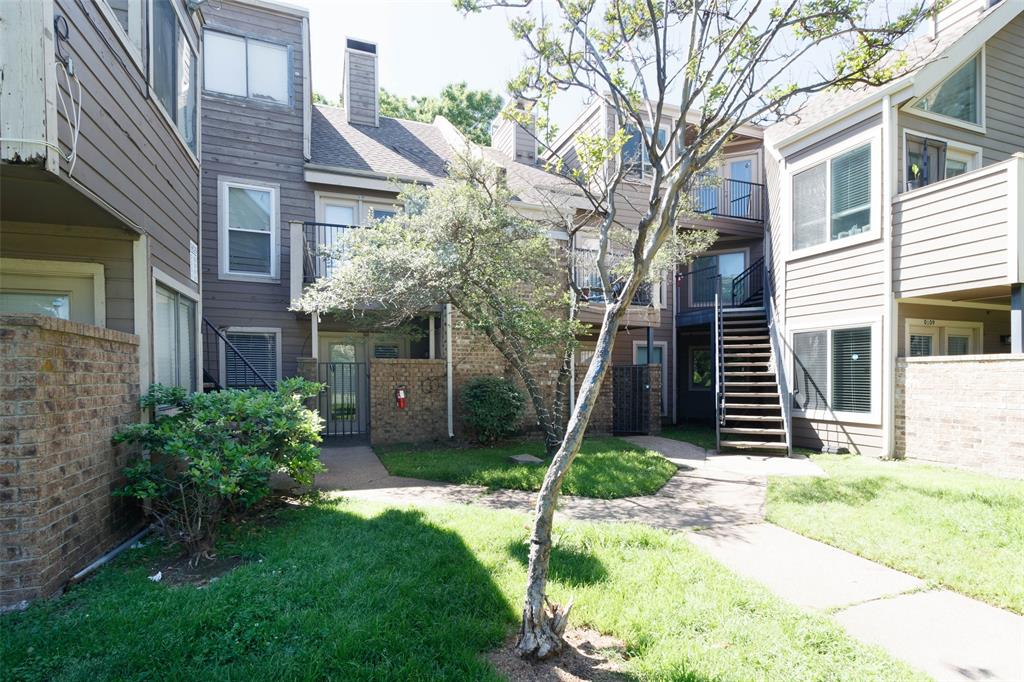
pixel 697 288
pixel 730 199
pixel 644 294
pixel 318 240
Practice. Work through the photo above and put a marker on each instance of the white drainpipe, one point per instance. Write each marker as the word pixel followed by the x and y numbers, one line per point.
pixel 448 367
pixel 888 323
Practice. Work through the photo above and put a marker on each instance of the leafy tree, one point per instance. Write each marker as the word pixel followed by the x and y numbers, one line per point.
pixel 319 98
pixel 471 111
pixel 728 63
pixel 461 242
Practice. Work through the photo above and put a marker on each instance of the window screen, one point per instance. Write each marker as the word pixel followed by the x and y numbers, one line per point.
pixel 259 349
pixel 851 193
pixel 385 351
pixel 809 207
pixel 810 357
pixel 851 370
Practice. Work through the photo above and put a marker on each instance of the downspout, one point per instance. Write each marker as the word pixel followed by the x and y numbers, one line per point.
pixel 674 395
pixel 888 323
pixel 448 367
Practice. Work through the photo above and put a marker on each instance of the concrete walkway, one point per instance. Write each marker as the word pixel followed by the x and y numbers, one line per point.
pixel 720 500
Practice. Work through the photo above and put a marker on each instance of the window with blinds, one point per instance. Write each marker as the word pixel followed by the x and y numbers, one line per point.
pixel 851 370
pixel 958 345
pixel 832 200
pixel 851 193
pixel 920 345
pixel 810 374
pixel 809 198
pixel 259 349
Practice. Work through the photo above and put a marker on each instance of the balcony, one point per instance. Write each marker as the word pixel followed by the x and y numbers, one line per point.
pixel 732 199
pixel 696 291
pixel 318 239
pixel 964 233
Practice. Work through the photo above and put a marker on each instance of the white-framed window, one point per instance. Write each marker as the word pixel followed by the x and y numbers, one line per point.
pixel 245 67
pixel 261 349
pixel 174 71
pixel 960 98
pixel 634 154
pixel 928 159
pixel 658 357
pixel 927 337
pixel 249 229
pixel 701 369
pixel 67 290
pixel 174 337
pixel 126 17
pixel 836 371
pixel 832 200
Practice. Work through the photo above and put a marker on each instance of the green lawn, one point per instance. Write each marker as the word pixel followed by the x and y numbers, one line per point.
pixel 605 467
pixel 961 530
pixel 699 434
pixel 354 591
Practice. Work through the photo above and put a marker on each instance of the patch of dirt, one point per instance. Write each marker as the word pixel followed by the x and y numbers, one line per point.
pixel 589 655
pixel 180 571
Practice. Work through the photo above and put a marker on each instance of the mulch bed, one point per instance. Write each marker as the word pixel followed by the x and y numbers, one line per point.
pixel 589 655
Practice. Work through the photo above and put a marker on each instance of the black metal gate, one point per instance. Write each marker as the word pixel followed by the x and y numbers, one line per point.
pixel 345 402
pixel 631 403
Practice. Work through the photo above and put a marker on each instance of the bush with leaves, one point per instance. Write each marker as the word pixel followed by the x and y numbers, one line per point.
pixel 492 407
pixel 207 454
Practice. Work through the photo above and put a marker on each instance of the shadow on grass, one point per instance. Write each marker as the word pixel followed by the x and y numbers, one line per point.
pixel 824 490
pixel 569 565
pixel 337 596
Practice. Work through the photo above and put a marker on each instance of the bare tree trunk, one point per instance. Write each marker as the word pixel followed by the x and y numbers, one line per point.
pixel 543 622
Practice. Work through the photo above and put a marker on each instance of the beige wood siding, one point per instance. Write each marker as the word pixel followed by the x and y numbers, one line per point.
pixel 128 154
pixel 952 235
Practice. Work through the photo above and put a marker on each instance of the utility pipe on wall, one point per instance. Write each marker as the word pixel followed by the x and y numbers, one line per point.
pixel 888 322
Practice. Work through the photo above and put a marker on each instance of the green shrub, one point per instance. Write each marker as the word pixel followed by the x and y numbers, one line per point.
pixel 210 453
pixel 492 407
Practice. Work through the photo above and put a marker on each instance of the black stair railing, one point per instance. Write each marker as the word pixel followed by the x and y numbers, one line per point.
pixel 702 284
pixel 748 286
pixel 242 373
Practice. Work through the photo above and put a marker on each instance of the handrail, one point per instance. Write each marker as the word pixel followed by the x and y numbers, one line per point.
pixel 703 285
pixel 730 198
pixel 719 378
pixel 741 284
pixel 228 346
pixel 781 377
pixel 317 240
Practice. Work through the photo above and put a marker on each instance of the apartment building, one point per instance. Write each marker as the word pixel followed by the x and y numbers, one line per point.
pixel 896 252
pixel 99 262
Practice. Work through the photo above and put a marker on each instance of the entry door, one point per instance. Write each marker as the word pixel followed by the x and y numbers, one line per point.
pixel 728 266
pixel 345 404
pixel 739 176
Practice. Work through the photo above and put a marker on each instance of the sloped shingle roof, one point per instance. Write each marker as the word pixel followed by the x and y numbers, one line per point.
pixel 396 149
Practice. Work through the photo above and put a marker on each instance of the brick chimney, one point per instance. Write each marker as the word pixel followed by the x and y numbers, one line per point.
pixel 512 139
pixel 360 94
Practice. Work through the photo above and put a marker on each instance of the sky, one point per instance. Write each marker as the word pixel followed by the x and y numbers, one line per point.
pixel 422 45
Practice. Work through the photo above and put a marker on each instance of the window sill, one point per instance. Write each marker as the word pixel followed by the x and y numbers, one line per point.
pixel 871 235
pixel 246 100
pixel 947 120
pixel 256 279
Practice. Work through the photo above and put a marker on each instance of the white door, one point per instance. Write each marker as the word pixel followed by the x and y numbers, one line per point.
pixel 739 179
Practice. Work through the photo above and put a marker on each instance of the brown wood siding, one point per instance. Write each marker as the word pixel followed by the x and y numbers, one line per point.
pixel 259 141
pixel 128 154
pixel 110 248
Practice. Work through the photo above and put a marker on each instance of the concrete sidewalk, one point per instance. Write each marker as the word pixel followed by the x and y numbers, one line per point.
pixel 947 635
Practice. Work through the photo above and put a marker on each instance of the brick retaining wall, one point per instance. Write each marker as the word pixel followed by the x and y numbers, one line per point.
pixel 64 388
pixel 966 411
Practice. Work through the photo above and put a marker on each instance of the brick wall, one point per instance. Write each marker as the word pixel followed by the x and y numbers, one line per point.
pixel 425 417
pixel 64 388
pixel 966 411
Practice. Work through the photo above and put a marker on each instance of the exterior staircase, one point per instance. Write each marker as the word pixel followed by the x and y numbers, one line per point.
pixel 749 408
